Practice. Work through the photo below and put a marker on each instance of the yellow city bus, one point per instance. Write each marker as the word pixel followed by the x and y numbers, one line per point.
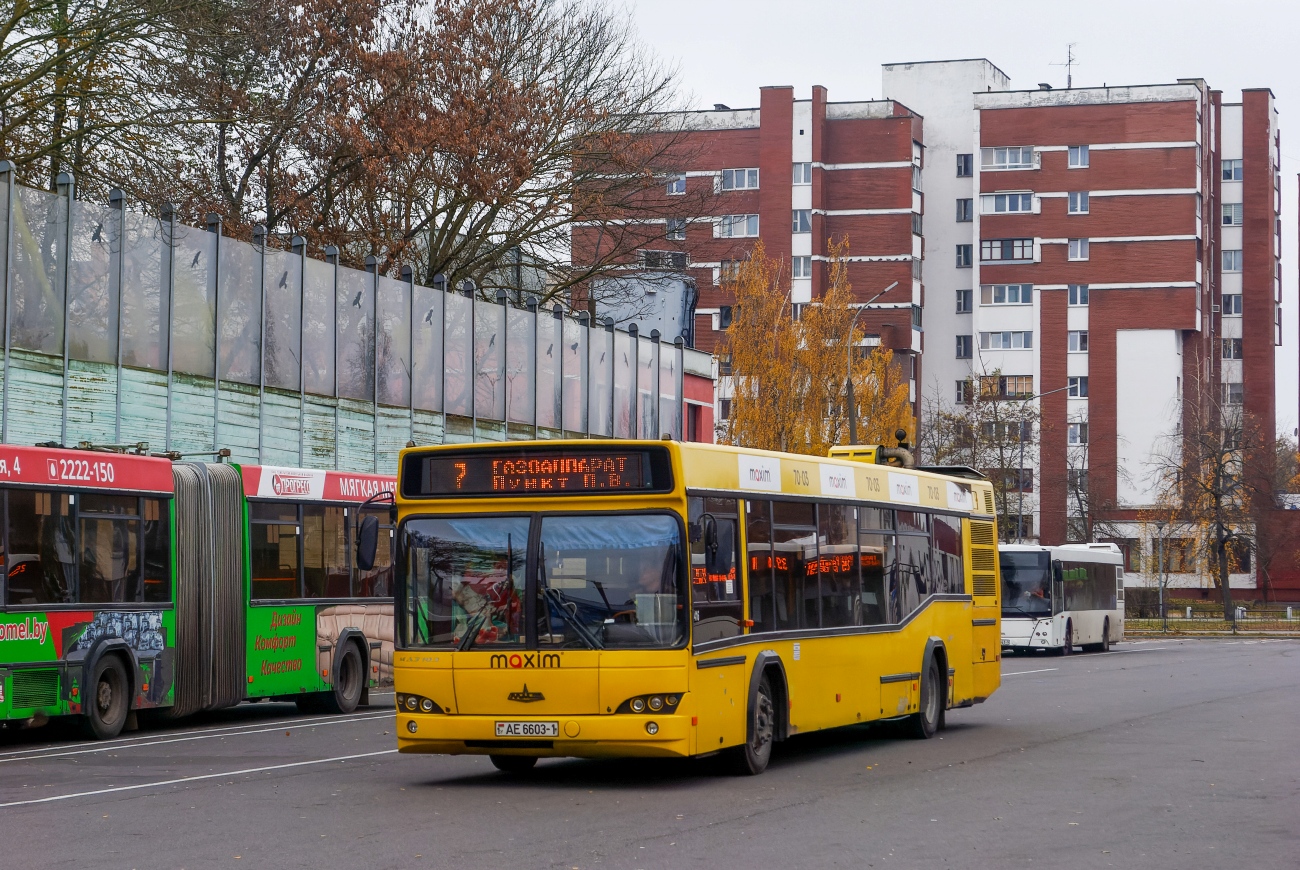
pixel 654 598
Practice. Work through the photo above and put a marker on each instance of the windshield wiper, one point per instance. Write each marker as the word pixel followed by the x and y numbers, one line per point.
pixel 556 598
pixel 471 631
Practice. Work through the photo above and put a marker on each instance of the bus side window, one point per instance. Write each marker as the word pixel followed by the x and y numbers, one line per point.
pixel 876 552
pixel 947 555
pixel 794 540
pixel 759 563
pixel 40 568
pixel 911 577
pixel 837 565
pixel 716 596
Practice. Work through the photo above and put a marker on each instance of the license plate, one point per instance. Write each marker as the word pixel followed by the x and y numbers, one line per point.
pixel 528 729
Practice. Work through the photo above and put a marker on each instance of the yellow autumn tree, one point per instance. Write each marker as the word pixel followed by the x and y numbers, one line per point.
pixel 788 373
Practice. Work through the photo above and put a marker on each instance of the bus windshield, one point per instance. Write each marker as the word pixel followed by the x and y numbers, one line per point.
pixel 1026 584
pixel 596 581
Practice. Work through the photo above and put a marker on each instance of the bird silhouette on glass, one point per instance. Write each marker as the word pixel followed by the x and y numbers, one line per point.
pixel 284 279
pixel 195 261
pixel 356 301
pixel 602 358
pixel 95 237
pixel 428 318
pixel 493 340
pixel 625 362
pixel 574 347
pixel 549 348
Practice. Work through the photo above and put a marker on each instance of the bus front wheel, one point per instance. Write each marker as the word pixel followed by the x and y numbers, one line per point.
pixel 1067 647
pixel 751 758
pixel 107 699
pixel 925 721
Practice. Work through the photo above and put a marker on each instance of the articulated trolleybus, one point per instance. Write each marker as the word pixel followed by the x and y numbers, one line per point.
pixel 654 598
pixel 135 583
pixel 1061 598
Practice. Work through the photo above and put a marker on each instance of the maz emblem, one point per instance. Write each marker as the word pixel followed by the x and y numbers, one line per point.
pixel 526 696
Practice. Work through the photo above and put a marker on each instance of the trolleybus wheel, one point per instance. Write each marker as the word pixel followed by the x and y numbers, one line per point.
pixel 751 759
pixel 349 679
pixel 107 699
pixel 513 763
pixel 925 721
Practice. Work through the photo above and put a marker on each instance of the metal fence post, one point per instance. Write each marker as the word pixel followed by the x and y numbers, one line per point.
pixel 168 215
pixel 67 189
pixel 332 257
pixel 532 364
pixel 259 242
pixel 584 374
pixel 117 200
pixel 558 324
pixel 467 287
pixel 8 168
pixel 502 297
pixel 372 266
pixel 679 360
pixel 298 247
pixel 655 361
pixel 213 221
pixel 634 389
pixel 408 275
pixel 613 371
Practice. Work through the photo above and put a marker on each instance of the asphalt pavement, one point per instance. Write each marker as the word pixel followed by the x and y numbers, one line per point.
pixel 1160 754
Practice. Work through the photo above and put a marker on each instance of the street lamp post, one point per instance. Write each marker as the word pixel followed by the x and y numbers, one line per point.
pixel 1160 564
pixel 852 406
pixel 1020 478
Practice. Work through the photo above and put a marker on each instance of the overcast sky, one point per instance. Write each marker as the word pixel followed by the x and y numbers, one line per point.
pixel 726 50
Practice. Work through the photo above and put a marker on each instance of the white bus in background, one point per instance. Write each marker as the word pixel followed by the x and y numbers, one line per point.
pixel 1061 598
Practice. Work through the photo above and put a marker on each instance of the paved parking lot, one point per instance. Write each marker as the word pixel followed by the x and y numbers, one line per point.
pixel 1158 754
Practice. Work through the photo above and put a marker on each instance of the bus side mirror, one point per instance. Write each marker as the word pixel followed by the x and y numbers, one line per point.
pixel 719 547
pixel 367 542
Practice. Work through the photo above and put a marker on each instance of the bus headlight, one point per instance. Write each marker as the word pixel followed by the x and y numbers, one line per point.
pixel 661 702
pixel 656 703
pixel 411 703
pixel 417 703
pixel 638 705
pixel 426 705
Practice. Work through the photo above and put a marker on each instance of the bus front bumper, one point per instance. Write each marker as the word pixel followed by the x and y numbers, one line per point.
pixel 619 735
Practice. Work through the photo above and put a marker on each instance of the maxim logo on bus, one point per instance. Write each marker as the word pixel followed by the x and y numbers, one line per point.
pixel 524 660
pixel 290 484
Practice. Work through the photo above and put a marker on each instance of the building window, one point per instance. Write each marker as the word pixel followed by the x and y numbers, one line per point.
pixel 1077 294
pixel 803 173
pixel 1077 388
pixel 1078 341
pixel 1078 157
pixel 1232 348
pixel 917 226
pixel 1076 433
pixel 1014 479
pixel 1007 249
pixel 965 210
pixel 1231 304
pixel 965 392
pixel 916 268
pixel 1078 203
pixel 1232 261
pixel 1077 479
pixel 965 345
pixel 736 226
pixel 918 317
pixel 1179 553
pixel 963 301
pixel 964 256
pixel 740 179
pixel 1232 394
pixel 801 222
pixel 801 267
pixel 663 259
pixel 724 409
pixel 676 185
pixel 1018 526
pixel 724 365
pixel 965 165
pixel 1008 387
pixel 1232 214
pixel 1078 249
pixel 1006 340
pixel 1007 203
pixel 996 159
pixel 1231 170
pixel 676 230
pixel 916 178
pixel 725 314
pixel 727 272
pixel 1006 294
pixel 1013 432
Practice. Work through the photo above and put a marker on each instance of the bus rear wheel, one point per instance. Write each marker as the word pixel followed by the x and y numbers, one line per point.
pixel 107 699
pixel 752 758
pixel 925 721
pixel 349 680
pixel 513 763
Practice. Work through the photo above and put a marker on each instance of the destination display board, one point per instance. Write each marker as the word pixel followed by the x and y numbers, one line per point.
pixel 536 471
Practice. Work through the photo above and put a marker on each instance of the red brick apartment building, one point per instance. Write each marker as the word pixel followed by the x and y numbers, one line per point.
pixel 1111 252
pixel 794 173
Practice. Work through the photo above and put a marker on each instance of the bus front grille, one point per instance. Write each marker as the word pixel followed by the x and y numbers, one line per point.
pixel 35 688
